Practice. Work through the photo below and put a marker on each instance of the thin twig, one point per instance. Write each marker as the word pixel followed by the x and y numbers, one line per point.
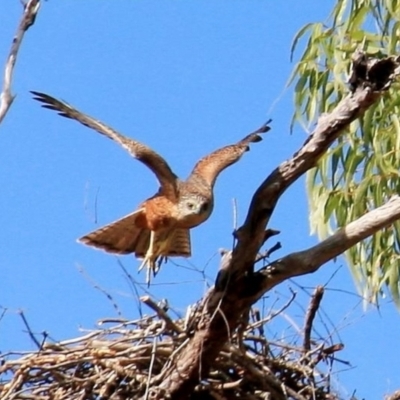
pixel 28 19
pixel 265 255
pixel 29 330
pixel 274 313
pixel 161 313
pixel 97 286
pixel 153 356
pixel 3 313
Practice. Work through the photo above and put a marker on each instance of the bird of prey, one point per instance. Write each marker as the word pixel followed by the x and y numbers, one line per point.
pixel 159 227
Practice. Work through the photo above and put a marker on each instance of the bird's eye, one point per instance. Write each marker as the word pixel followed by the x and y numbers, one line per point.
pixel 190 206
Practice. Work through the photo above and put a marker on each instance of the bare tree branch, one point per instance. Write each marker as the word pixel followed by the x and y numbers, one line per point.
pixel 307 261
pixel 310 315
pixel 220 311
pixel 31 9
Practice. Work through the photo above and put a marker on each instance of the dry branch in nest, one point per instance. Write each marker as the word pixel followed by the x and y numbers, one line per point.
pixel 127 359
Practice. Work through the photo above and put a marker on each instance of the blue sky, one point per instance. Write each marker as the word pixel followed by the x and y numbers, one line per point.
pixel 185 77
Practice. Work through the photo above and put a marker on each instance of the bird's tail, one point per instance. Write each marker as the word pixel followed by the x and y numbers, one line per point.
pixel 179 244
pixel 124 237
pixel 121 237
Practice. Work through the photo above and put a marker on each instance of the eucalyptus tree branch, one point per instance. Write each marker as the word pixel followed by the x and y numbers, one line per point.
pixel 369 81
pixel 31 9
pixel 310 260
pixel 238 286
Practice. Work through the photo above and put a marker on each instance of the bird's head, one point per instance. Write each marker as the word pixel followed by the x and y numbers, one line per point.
pixel 194 209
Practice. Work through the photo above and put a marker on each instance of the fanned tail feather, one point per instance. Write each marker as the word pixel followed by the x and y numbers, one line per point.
pixel 124 237
pixel 120 237
pixel 179 245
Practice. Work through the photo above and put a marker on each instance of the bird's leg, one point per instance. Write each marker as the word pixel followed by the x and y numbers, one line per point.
pixel 149 259
pixel 154 256
pixel 149 254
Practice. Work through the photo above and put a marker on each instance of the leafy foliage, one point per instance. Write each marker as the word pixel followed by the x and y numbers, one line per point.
pixel 361 171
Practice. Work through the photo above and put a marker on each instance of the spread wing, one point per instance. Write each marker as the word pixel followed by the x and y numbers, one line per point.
pixel 157 164
pixel 209 167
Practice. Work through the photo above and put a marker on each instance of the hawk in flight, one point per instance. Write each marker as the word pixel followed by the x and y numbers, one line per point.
pixel 159 227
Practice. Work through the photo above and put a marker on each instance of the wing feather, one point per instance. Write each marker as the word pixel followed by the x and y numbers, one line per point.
pixel 156 163
pixel 210 166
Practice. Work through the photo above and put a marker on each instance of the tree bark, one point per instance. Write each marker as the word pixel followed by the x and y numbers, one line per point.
pixel 239 286
pixel 31 9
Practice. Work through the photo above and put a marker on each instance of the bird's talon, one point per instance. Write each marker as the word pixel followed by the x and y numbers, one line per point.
pixel 142 265
pixel 148 276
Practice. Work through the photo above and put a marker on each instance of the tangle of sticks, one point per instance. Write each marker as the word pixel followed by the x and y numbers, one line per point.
pixel 125 359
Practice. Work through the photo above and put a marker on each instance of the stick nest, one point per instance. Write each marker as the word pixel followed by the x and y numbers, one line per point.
pixel 124 359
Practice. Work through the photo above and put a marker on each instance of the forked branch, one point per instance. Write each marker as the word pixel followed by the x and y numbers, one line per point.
pixel 309 260
pixel 225 305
